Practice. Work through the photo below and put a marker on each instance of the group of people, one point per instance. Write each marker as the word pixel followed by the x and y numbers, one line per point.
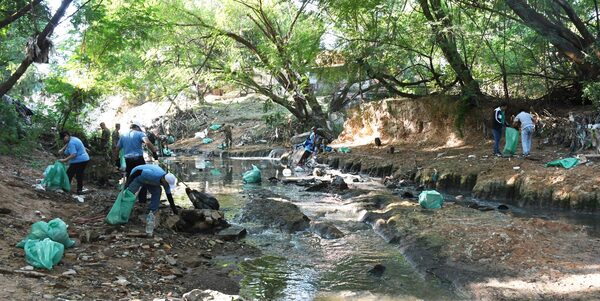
pixel 524 120
pixel 140 176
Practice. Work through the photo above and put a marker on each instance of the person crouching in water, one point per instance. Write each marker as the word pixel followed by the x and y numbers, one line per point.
pixel 77 158
pixel 309 146
pixel 152 178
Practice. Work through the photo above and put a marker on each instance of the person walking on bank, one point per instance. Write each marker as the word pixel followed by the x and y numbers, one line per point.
pixel 499 123
pixel 77 158
pixel 104 139
pixel 227 128
pixel 115 141
pixel 527 123
pixel 131 144
pixel 151 177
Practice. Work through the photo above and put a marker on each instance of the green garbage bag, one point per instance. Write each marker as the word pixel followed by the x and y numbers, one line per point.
pixel 167 152
pixel 215 127
pixel 57 231
pixel 39 231
pixel 207 140
pixel 512 140
pixel 43 253
pixel 215 172
pixel 55 177
pixel 345 150
pixel 123 165
pixel 170 139
pixel 567 163
pixel 431 199
pixel 252 176
pixel 121 209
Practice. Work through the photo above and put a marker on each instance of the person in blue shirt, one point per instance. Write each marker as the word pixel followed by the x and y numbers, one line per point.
pixel 131 144
pixel 309 145
pixel 152 178
pixel 77 158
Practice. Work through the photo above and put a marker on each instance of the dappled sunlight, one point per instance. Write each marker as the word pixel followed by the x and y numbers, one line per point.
pixel 546 285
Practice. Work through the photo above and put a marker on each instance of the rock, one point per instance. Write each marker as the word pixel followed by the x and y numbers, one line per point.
pixel 318 187
pixel 460 197
pixel 502 207
pixel 202 200
pixel 69 272
pixel 208 295
pixel 200 221
pixel 167 278
pixel 326 230
pixel 377 270
pixel 407 195
pixel 170 260
pixel 317 172
pixel 391 186
pixel 27 268
pixel 48 296
pixel 121 281
pixel 231 233
pixel 339 183
pixel 274 213
pixel 168 221
pixel 5 211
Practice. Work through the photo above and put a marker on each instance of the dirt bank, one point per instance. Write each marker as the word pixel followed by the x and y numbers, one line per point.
pixel 167 265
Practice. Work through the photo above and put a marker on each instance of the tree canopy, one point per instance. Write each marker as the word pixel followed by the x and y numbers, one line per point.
pixel 162 49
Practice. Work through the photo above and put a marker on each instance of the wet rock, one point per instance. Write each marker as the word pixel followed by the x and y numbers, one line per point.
pixel 503 207
pixel 274 213
pixel 273 180
pixel 318 187
pixel 377 270
pixel 232 233
pixel 326 230
pixel 202 200
pixel 407 194
pixel 200 221
pixel 339 183
pixel 317 172
pixel 208 295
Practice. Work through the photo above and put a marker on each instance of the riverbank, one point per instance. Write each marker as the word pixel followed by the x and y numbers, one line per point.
pixel 107 262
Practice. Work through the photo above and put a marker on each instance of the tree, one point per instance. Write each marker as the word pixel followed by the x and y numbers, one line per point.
pixel 37 50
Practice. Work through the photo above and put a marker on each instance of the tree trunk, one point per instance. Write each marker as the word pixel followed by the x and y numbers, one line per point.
pixel 567 42
pixel 442 28
pixel 18 14
pixel 41 42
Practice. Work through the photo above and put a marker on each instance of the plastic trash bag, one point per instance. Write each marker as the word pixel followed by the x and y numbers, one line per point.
pixel 252 176
pixel 215 172
pixel 57 231
pixel 121 209
pixel 345 150
pixel 39 231
pixel 215 127
pixel 167 152
pixel 431 199
pixel 55 177
pixel 512 140
pixel 207 140
pixel 122 163
pixel 567 163
pixel 43 253
pixel 170 139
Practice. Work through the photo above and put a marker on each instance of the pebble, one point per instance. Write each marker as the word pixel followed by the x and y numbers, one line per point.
pixel 69 272
pixel 27 268
pixel 170 260
pixel 170 277
pixel 48 296
pixel 122 281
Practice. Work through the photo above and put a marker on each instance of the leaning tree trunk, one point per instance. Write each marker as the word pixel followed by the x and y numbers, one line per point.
pixel 43 45
pixel 442 25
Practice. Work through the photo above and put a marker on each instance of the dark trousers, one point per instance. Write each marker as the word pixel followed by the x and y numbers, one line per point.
pixel 76 170
pixel 497 133
pixel 130 164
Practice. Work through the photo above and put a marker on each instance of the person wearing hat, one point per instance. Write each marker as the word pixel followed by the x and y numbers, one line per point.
pixel 77 158
pixel 131 143
pixel 151 177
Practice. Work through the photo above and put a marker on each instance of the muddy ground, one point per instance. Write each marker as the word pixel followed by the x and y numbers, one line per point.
pixel 107 262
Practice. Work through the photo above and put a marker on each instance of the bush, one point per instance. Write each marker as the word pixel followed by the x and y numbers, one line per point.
pixel 12 129
pixel 591 92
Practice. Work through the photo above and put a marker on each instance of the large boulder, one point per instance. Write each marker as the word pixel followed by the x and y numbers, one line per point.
pixel 274 213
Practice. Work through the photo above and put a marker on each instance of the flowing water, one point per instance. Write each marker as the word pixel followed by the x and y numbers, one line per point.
pixel 302 266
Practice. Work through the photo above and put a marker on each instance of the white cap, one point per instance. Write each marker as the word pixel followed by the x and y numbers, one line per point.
pixel 172 180
pixel 136 123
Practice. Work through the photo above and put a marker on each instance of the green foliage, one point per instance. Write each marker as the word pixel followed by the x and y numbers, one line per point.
pixel 12 129
pixel 591 92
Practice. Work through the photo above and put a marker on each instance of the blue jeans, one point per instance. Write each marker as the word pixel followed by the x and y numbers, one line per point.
pixel 526 136
pixel 155 191
pixel 497 133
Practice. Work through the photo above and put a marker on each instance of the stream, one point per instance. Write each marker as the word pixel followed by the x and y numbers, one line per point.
pixel 303 266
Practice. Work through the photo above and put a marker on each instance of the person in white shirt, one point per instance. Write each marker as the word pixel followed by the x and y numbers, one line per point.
pixel 527 124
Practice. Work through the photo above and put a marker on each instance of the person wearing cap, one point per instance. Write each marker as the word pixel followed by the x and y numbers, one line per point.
pixel 151 177
pixel 77 158
pixel 131 144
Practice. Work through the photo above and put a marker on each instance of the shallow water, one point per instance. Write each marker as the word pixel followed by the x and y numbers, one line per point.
pixel 302 266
